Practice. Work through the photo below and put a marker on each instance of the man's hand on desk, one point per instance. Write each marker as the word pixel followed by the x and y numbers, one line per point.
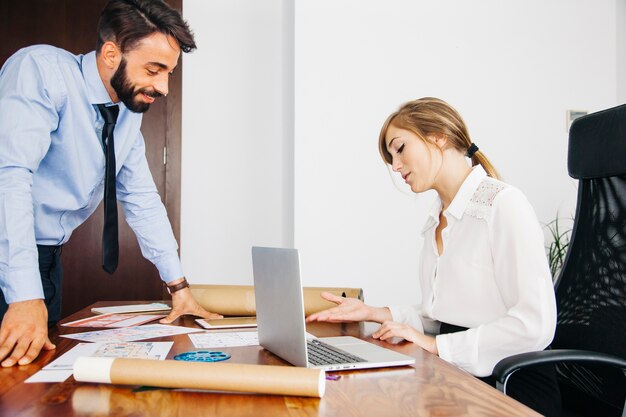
pixel 24 332
pixel 183 303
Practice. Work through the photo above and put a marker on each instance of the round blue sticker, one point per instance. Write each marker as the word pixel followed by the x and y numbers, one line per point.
pixel 202 356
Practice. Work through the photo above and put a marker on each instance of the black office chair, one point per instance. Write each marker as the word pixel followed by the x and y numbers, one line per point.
pixel 589 347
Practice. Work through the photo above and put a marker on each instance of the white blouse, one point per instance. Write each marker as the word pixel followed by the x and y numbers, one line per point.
pixel 492 277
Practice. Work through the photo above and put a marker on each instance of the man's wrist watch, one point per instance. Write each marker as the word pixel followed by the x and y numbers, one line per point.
pixel 177 287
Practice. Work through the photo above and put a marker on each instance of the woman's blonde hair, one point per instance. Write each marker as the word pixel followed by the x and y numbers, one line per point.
pixel 429 116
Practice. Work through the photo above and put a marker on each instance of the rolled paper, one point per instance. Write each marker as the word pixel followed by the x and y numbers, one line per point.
pixel 261 379
pixel 238 300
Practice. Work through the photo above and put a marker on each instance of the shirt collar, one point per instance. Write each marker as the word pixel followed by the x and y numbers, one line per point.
pixel 96 91
pixel 433 215
pixel 460 201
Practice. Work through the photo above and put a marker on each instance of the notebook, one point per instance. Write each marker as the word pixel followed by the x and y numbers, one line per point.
pixel 227 323
pixel 281 326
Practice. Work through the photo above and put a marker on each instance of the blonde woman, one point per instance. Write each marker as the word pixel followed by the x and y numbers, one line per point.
pixel 486 286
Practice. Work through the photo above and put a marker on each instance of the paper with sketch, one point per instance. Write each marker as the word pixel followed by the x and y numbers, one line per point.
pixel 137 350
pixel 224 339
pixel 114 320
pixel 61 368
pixel 129 334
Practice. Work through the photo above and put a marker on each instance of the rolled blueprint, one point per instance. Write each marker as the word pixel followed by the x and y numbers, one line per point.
pixel 238 300
pixel 261 379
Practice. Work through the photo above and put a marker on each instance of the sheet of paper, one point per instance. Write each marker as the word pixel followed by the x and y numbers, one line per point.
pixel 114 320
pixel 129 334
pixel 49 376
pixel 61 368
pixel 224 339
pixel 133 308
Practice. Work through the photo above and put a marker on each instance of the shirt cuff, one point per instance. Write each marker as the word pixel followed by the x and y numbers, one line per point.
pixel 406 315
pixel 443 348
pixel 396 313
pixel 459 350
pixel 22 285
pixel 169 267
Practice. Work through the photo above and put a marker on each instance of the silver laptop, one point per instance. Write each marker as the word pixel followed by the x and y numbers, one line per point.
pixel 280 320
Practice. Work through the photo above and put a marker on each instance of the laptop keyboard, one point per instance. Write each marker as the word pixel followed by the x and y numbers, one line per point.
pixel 322 354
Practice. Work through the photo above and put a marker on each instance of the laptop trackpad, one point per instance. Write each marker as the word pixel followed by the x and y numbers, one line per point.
pixel 361 348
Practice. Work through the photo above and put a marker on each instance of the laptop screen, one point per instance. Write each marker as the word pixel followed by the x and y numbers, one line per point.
pixel 279 303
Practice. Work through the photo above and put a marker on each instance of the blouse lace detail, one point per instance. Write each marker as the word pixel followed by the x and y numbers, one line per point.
pixel 481 202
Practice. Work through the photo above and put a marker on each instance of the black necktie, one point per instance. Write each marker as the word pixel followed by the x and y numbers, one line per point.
pixel 110 249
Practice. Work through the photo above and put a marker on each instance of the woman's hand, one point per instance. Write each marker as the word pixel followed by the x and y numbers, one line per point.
pixel 349 310
pixel 391 329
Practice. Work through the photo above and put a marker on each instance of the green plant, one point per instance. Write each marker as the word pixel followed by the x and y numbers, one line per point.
pixel 557 249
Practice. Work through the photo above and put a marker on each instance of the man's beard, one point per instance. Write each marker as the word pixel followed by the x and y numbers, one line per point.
pixel 126 92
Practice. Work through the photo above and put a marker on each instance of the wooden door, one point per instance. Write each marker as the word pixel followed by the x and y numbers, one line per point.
pixel 71 24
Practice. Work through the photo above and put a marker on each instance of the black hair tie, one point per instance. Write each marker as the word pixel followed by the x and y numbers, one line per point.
pixel 471 150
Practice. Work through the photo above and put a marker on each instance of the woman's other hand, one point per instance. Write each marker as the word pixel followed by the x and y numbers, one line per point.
pixel 391 329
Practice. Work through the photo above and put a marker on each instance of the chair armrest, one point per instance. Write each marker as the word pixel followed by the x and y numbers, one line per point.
pixel 507 366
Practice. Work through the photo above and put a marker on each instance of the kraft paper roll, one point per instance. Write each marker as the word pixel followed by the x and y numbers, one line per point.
pixel 261 379
pixel 238 300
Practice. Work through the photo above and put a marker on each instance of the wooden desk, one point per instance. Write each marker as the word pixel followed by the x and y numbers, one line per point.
pixel 431 387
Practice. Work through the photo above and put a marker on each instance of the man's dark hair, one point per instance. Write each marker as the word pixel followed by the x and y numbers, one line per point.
pixel 127 22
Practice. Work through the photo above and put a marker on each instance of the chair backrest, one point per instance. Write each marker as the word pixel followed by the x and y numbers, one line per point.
pixel 591 288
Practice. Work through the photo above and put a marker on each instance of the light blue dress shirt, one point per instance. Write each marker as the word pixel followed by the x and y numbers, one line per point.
pixel 52 166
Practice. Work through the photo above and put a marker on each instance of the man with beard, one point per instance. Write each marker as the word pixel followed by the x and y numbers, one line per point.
pixel 64 120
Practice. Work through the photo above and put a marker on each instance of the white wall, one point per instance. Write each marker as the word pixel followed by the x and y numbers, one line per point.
pixel 237 183
pixel 511 68
pixel 621 51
